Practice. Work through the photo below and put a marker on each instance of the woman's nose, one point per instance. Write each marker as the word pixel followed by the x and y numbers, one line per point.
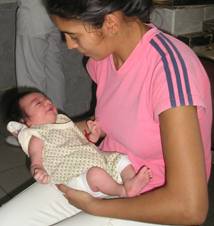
pixel 71 44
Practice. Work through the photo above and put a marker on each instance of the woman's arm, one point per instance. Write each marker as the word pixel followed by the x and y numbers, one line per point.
pixel 184 198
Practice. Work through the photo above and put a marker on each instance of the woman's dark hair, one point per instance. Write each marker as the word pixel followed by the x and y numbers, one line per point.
pixel 94 11
pixel 10 108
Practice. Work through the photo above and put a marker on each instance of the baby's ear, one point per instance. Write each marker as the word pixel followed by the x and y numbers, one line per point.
pixel 26 122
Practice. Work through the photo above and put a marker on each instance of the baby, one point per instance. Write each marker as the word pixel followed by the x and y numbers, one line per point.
pixel 60 153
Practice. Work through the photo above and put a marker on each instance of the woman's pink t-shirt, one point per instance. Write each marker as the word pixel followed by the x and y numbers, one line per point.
pixel 161 73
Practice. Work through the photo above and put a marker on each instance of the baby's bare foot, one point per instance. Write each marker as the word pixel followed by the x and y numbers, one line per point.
pixel 135 185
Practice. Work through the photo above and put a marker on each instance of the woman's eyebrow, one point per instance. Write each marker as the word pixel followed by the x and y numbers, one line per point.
pixel 67 32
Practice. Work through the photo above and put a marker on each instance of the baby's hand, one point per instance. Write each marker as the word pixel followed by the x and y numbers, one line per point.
pixel 95 131
pixel 40 175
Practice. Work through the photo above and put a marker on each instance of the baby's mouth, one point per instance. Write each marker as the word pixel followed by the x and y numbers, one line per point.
pixel 50 108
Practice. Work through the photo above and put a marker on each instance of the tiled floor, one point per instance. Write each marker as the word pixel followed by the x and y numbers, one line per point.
pixel 15 176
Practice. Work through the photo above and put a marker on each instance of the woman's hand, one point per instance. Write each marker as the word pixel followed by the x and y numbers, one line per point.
pixel 80 199
pixel 95 131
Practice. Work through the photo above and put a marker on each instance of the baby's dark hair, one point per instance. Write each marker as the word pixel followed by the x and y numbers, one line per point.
pixel 10 108
pixel 94 11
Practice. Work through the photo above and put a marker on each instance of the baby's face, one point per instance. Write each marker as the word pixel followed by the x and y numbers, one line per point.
pixel 38 109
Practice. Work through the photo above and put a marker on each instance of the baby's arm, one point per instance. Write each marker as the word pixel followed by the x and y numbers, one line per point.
pixel 95 132
pixel 35 153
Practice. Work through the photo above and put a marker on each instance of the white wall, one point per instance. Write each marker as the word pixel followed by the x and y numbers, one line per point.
pixel 7 1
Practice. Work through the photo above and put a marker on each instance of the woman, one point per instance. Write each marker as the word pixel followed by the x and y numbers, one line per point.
pixel 153 103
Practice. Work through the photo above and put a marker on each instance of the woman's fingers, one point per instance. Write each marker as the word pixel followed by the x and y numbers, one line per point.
pixel 63 188
pixel 80 199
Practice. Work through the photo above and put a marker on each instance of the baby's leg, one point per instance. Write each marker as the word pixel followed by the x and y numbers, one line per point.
pixel 100 181
pixel 135 182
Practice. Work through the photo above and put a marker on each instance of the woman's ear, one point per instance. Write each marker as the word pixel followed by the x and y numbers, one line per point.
pixel 111 24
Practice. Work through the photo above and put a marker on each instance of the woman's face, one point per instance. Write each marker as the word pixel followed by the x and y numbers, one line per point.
pixel 86 39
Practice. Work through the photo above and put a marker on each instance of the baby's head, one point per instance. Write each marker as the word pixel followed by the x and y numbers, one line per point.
pixel 37 109
pixel 30 107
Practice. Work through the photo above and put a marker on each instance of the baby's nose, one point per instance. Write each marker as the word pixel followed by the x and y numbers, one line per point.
pixel 47 102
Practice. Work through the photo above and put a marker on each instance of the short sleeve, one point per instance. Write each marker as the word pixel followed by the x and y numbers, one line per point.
pixel 178 85
pixel 14 127
pixel 24 137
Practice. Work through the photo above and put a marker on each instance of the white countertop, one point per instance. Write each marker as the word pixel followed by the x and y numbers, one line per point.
pixel 205 51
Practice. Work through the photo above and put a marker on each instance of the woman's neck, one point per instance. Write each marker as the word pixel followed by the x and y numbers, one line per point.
pixel 129 36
